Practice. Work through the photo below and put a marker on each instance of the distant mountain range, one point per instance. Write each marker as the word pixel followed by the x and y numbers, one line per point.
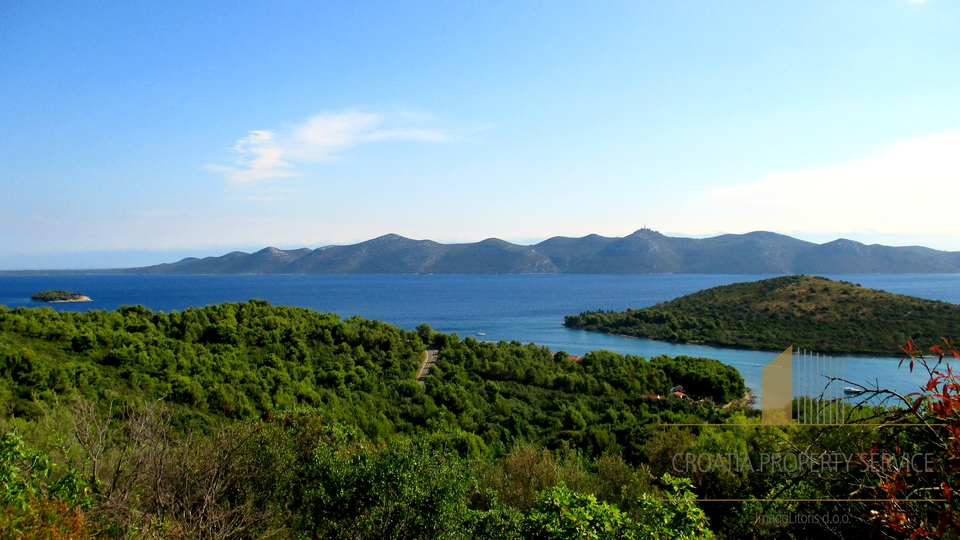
pixel 643 252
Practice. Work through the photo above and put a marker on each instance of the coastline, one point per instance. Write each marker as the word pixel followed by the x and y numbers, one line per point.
pixel 81 298
pixel 739 347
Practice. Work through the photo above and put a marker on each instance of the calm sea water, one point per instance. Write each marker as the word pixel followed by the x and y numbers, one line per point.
pixel 526 308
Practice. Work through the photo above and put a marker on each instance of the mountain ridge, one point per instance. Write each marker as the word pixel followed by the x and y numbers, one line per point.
pixel 645 251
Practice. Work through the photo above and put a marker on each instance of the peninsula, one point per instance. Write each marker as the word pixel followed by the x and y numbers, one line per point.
pixel 813 313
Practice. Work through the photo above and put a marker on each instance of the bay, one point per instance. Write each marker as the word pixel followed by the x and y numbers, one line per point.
pixel 525 308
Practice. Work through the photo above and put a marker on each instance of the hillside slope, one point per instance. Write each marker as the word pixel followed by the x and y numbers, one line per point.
pixel 810 312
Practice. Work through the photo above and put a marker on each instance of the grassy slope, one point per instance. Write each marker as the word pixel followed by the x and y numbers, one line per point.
pixel 810 312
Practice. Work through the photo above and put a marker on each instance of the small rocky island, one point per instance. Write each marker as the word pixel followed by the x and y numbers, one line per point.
pixel 59 296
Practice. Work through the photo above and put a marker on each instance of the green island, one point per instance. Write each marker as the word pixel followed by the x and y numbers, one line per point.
pixel 247 420
pixel 59 296
pixel 809 312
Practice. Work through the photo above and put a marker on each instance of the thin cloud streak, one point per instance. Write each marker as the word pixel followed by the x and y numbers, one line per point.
pixel 265 155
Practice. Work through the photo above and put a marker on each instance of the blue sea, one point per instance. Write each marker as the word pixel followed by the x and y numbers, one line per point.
pixel 525 308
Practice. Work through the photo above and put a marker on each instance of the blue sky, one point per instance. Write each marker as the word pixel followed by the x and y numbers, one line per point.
pixel 138 133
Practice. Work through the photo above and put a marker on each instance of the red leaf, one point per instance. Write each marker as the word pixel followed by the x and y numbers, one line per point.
pixel 916 404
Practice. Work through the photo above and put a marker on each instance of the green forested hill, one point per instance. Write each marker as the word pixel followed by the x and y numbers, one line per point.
pixel 809 312
pixel 256 421
pixel 238 361
pixel 316 427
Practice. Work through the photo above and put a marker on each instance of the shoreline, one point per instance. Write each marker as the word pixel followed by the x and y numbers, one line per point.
pixel 737 347
pixel 81 298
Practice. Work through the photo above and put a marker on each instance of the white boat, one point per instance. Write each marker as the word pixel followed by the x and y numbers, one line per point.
pixel 851 391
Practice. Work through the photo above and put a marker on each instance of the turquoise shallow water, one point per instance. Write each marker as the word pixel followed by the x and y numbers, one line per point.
pixel 526 308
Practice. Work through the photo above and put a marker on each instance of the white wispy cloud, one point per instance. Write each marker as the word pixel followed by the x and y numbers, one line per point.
pixel 900 187
pixel 264 155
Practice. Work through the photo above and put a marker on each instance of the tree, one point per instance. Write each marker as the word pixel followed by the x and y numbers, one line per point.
pixel 35 501
pixel 921 503
pixel 426 333
pixel 563 514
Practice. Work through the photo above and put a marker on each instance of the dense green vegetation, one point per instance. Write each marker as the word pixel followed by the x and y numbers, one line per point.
pixel 58 296
pixel 229 360
pixel 232 372
pixel 808 312
pixel 245 360
pixel 254 421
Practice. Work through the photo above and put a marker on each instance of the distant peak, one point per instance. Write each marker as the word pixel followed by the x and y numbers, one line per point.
pixel 844 241
pixel 845 245
pixel 764 233
pixel 646 233
pixel 493 241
